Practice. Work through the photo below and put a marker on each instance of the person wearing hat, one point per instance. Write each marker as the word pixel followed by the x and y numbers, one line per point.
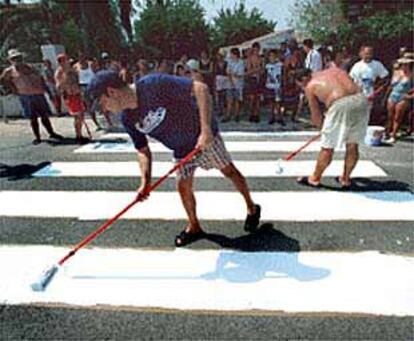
pixel 176 111
pixel 400 98
pixel 67 82
pixel 26 82
pixel 108 64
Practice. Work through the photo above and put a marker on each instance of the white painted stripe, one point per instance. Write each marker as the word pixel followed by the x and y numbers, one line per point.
pixel 276 206
pixel 234 134
pixel 248 168
pixel 232 146
pixel 311 282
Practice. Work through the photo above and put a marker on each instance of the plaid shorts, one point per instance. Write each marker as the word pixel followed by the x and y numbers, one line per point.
pixel 214 157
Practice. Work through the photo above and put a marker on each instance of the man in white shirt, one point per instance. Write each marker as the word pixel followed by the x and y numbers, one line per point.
pixel 313 58
pixel 368 71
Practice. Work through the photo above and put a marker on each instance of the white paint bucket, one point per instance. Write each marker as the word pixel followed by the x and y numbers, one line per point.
pixel 374 135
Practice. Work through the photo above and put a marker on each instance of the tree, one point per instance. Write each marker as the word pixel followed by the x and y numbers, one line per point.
pixel 318 18
pixel 233 26
pixel 171 28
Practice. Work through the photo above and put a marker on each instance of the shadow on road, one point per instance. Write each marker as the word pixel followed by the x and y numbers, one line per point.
pixel 268 253
pixel 20 172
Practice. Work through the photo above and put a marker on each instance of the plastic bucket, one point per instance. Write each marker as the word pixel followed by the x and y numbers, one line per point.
pixel 374 135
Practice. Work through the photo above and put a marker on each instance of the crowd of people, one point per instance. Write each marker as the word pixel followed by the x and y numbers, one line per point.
pixel 252 82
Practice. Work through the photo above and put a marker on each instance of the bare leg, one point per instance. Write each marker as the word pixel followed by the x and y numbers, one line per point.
pixel 351 159
pixel 324 160
pixel 390 120
pixel 48 125
pixel 400 109
pixel 78 120
pixel 240 183
pixel 185 189
pixel 237 109
pixel 35 127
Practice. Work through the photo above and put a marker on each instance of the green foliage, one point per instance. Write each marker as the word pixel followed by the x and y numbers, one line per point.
pixel 233 26
pixel 317 19
pixel 72 37
pixel 322 21
pixel 168 29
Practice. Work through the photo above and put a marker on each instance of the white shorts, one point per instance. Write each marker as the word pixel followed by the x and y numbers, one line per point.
pixel 346 121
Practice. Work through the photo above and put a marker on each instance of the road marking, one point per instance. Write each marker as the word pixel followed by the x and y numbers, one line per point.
pixel 248 169
pixel 232 146
pixel 312 282
pixel 225 134
pixel 276 206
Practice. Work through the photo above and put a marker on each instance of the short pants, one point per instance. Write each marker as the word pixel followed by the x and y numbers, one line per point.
pixel 75 104
pixel 35 106
pixel 214 157
pixel 235 93
pixel 345 122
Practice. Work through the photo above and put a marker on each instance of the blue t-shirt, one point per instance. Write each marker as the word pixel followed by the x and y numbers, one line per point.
pixel 167 112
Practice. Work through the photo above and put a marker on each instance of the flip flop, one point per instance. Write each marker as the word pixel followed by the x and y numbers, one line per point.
pixel 185 238
pixel 304 180
pixel 343 187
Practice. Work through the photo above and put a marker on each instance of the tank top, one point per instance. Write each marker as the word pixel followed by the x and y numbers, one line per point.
pixel 85 75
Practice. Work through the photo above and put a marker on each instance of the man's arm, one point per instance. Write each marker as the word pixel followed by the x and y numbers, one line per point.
pixel 145 165
pixel 203 99
pixel 316 114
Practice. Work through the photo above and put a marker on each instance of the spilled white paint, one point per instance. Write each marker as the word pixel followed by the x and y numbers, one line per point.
pixel 276 206
pixel 231 146
pixel 313 282
pixel 248 168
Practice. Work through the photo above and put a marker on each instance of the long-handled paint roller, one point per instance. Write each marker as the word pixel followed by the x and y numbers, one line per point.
pixel 279 162
pixel 44 279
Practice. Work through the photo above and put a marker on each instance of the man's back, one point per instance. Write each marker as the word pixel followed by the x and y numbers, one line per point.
pixel 330 85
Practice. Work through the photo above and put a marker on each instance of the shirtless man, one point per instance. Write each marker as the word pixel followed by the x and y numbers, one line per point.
pixel 254 74
pixel 346 119
pixel 67 82
pixel 29 85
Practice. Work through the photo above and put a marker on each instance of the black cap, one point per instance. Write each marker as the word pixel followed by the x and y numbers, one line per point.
pixel 102 81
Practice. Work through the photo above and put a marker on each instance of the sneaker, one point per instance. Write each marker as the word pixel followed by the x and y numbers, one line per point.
pixel 35 142
pixel 390 140
pixel 252 221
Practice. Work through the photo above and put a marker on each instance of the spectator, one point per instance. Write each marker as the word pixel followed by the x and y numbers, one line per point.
pixel 67 82
pixel 28 84
pixel 85 74
pixel 235 71
pixel 273 87
pixel 400 97
pixel 142 69
pixel 285 51
pixel 254 75
pixel 313 57
pixel 222 81
pixel 48 75
pixel 291 91
pixel 125 74
pixel 180 71
pixel 193 66
pixel 108 64
pixel 369 74
pixel 206 70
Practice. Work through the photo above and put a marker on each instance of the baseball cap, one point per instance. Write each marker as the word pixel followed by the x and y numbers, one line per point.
pixel 102 81
pixel 104 55
pixel 193 65
pixel 13 53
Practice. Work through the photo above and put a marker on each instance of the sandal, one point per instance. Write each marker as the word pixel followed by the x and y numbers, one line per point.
pixel 305 181
pixel 344 187
pixel 185 238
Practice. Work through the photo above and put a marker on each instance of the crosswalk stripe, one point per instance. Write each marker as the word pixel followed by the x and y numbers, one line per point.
pixel 276 206
pixel 232 146
pixel 215 280
pixel 248 169
pixel 241 134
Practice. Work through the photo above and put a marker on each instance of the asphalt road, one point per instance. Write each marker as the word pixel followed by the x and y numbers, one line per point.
pixel 19 160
